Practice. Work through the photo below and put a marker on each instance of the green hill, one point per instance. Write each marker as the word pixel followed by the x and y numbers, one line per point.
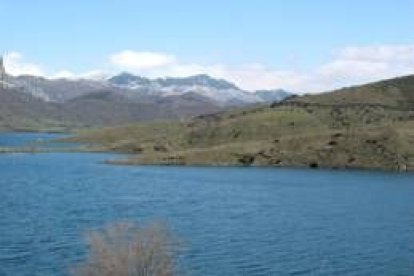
pixel 397 92
pixel 370 126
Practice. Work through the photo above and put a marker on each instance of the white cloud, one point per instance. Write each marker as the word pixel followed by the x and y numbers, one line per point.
pixel 91 75
pixel 63 74
pixel 94 75
pixel 141 60
pixel 248 76
pixel 354 65
pixel 347 66
pixel 381 53
pixel 16 65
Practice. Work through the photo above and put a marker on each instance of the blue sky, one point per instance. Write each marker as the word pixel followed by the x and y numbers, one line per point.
pixel 257 44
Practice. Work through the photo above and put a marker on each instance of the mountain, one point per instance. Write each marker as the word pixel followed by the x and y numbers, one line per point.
pixel 273 95
pixel 121 99
pixel 56 90
pixel 369 126
pixel 108 107
pixel 220 92
pixel 22 111
pixel 127 80
pixel 198 80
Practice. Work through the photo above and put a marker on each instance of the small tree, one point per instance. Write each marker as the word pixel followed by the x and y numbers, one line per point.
pixel 128 250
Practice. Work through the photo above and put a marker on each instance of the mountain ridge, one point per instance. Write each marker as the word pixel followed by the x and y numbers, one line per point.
pixel 219 90
pixel 83 103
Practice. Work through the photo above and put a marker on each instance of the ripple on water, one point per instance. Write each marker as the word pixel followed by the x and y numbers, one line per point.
pixel 232 221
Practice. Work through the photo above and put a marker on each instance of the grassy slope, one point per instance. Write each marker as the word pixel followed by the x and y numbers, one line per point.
pixel 397 92
pixel 335 134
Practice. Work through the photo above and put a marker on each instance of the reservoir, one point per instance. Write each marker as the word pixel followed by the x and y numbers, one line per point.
pixel 232 221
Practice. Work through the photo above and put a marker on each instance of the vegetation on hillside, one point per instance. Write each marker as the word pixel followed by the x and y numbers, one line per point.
pixel 352 128
pixel 393 93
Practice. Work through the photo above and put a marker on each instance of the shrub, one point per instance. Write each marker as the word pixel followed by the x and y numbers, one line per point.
pixel 128 250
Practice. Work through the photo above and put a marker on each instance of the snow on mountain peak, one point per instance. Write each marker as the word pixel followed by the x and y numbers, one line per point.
pixel 218 90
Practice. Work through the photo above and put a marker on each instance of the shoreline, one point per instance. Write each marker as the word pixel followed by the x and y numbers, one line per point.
pixel 332 158
pixel 137 162
pixel 129 162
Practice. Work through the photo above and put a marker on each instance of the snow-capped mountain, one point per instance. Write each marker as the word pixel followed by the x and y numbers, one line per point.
pixel 276 95
pixel 56 90
pixel 220 92
pixel 121 99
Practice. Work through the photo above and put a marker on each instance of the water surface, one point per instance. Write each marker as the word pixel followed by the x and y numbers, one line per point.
pixel 234 221
pixel 23 139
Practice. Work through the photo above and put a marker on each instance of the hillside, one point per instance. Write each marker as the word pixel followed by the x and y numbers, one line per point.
pixel 22 112
pixel 370 126
pixel 106 108
pixel 397 93
pixel 38 104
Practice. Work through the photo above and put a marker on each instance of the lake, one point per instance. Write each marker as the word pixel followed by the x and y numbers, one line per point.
pixel 233 221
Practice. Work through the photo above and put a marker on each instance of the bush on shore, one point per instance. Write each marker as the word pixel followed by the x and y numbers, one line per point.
pixel 128 250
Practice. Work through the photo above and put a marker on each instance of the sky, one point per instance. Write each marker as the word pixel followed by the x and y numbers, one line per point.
pixel 299 45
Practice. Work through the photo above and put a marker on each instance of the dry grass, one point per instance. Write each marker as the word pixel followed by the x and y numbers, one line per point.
pixel 331 135
pixel 128 250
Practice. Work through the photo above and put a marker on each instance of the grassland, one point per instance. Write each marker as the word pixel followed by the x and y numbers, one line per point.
pixel 371 136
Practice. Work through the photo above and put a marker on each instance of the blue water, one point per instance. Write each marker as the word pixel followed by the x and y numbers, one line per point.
pixel 233 221
pixel 25 138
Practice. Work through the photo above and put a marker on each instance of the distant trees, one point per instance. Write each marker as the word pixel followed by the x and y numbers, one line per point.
pixel 128 250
